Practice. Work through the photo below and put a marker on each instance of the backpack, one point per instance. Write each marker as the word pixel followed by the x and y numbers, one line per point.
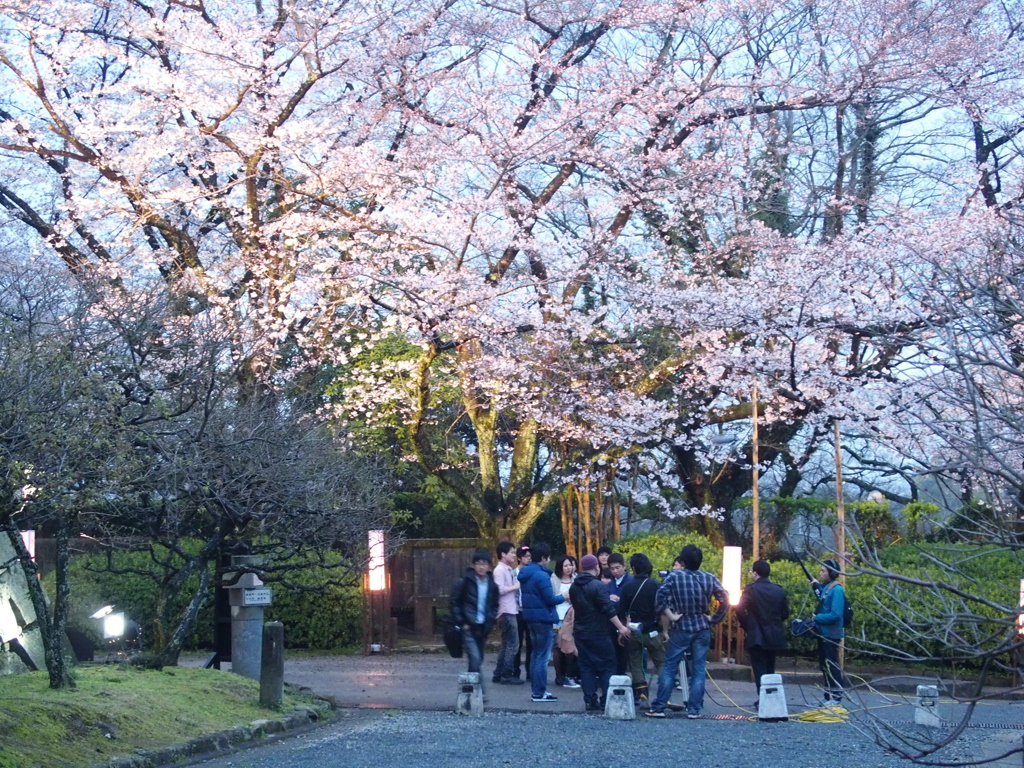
pixel 847 610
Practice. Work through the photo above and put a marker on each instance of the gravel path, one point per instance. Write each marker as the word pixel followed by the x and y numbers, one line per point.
pixel 445 740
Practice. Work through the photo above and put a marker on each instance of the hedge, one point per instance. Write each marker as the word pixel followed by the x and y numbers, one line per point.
pixel 990 572
pixel 327 619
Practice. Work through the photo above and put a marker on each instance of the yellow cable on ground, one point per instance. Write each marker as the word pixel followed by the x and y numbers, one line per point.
pixel 833 713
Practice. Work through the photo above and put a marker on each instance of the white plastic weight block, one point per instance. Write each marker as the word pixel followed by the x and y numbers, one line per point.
pixel 771 701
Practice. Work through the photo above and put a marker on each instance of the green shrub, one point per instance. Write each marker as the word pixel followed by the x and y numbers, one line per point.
pixel 991 573
pixel 330 619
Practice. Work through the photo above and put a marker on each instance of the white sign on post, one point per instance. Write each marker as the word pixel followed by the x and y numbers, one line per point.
pixel 256 596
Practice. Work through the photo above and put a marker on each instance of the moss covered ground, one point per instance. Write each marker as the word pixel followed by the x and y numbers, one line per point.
pixel 115 710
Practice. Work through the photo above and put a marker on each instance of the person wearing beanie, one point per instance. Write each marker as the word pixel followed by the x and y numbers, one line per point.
pixel 593 611
pixel 828 618
pixel 761 612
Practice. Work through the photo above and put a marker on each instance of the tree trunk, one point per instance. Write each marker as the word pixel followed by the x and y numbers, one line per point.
pixel 60 673
pixel 169 655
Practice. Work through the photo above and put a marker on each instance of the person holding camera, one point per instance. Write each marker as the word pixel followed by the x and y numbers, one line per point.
pixel 636 610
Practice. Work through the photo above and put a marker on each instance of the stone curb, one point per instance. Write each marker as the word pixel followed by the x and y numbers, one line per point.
pixel 299 720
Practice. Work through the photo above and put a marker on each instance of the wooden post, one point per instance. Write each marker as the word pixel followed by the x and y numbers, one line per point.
pixel 840 524
pixel 757 496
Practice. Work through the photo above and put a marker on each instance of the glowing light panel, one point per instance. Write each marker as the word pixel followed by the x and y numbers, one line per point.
pixel 732 564
pixel 378 576
pixel 29 537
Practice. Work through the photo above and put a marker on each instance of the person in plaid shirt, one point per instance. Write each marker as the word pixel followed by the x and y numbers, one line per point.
pixel 683 599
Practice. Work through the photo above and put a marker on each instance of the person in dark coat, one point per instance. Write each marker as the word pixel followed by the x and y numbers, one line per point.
pixel 594 612
pixel 474 607
pixel 762 611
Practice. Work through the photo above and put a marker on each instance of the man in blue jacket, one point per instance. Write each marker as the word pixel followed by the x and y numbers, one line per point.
pixel 539 602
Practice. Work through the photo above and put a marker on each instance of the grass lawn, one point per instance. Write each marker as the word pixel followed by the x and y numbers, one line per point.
pixel 116 710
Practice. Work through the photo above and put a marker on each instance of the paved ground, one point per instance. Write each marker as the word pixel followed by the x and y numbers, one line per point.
pixel 399 710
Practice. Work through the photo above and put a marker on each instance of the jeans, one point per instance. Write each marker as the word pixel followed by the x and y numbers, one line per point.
pixel 541 635
pixel 509 645
pixel 597 665
pixel 828 660
pixel 473 640
pixel 679 642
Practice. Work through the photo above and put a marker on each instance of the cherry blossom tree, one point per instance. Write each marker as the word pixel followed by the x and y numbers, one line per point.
pixel 594 226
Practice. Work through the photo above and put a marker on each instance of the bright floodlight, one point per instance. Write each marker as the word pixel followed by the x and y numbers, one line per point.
pixel 104 611
pixel 378 577
pixel 113 625
pixel 732 563
pixel 29 537
pixel 1020 617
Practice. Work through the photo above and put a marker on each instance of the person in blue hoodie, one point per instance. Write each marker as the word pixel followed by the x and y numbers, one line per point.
pixel 539 601
pixel 828 618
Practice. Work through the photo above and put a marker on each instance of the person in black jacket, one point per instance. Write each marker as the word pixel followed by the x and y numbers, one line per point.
pixel 762 611
pixel 474 607
pixel 593 610
pixel 636 610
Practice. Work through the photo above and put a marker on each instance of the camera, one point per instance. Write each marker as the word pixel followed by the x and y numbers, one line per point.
pixel 663 574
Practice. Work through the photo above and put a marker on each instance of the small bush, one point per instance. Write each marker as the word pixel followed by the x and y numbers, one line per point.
pixel 328 619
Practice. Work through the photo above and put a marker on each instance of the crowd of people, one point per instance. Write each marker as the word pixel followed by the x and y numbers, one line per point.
pixel 595 619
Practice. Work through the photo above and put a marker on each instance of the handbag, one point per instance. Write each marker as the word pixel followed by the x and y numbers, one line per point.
pixel 453 638
pixel 453 631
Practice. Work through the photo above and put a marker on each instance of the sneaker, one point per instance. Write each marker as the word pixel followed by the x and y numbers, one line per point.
pixel 544 698
pixel 570 682
pixel 676 707
pixel 655 713
pixel 559 681
pixel 512 681
pixel 692 715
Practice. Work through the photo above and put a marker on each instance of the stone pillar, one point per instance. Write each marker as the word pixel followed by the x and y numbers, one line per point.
pixel 246 625
pixel 272 666
pixel 471 695
pixel 926 708
pixel 618 699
